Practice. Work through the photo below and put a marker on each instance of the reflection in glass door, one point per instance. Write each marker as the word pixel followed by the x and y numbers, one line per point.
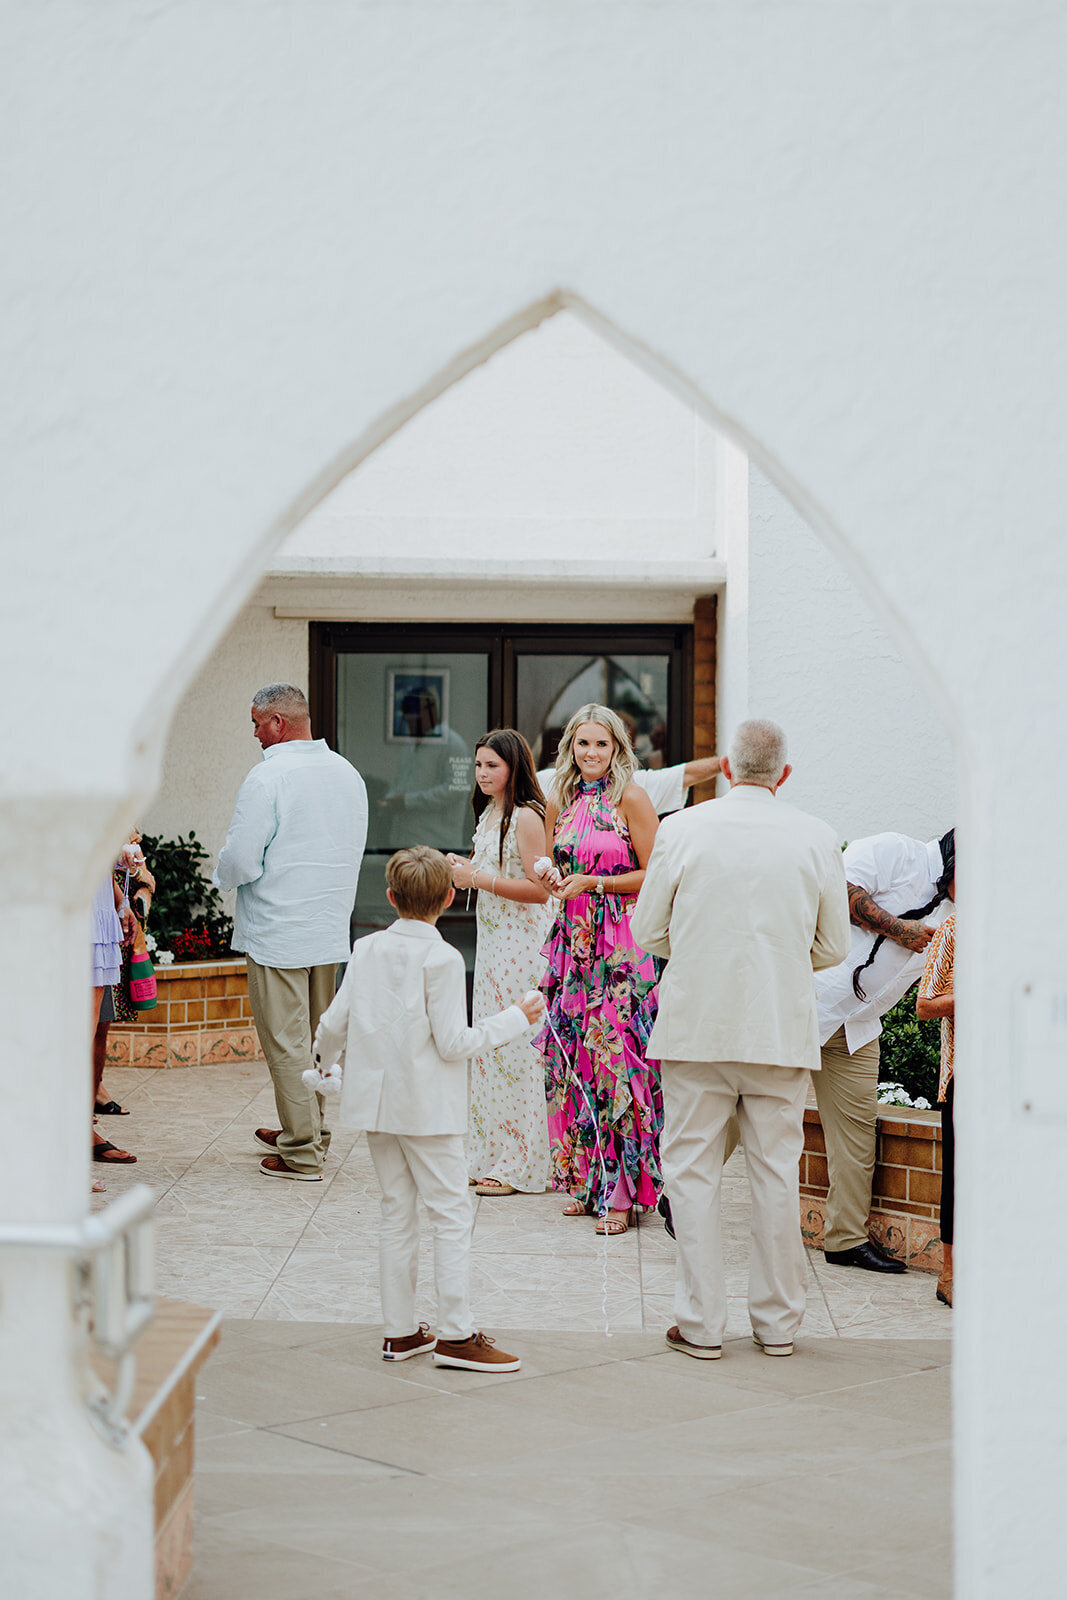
pixel 408 719
pixel 549 688
pixel 406 705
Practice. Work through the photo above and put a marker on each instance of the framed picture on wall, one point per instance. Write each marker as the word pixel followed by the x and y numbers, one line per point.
pixel 416 705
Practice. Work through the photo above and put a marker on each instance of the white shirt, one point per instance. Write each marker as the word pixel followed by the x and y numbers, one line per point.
pixel 665 786
pixel 399 1024
pixel 293 854
pixel 899 874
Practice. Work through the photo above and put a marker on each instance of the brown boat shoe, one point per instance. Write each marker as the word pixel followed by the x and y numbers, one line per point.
pixel 412 1344
pixel 476 1354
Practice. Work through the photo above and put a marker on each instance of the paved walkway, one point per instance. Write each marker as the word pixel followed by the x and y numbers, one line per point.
pixel 608 1464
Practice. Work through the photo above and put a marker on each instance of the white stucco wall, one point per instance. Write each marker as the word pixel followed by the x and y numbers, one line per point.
pixel 210 746
pixel 869 751
pixel 558 447
pixel 250 240
pixel 559 443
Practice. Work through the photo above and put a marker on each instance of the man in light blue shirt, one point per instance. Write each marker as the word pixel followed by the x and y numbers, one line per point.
pixel 293 853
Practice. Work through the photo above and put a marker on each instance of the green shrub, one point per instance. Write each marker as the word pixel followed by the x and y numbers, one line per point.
pixel 186 915
pixel 910 1051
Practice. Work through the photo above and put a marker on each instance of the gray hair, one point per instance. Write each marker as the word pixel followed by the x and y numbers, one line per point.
pixel 283 700
pixel 758 752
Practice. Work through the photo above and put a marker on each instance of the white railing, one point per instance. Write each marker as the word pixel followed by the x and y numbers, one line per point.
pixel 112 1255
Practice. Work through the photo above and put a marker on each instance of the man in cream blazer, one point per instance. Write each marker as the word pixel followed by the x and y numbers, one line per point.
pixel 746 897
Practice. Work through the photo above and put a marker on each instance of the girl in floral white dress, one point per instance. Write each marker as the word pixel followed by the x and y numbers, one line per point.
pixel 507 1142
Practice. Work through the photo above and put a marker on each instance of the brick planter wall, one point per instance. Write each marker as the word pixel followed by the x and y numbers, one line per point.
pixel 203 1017
pixel 906 1200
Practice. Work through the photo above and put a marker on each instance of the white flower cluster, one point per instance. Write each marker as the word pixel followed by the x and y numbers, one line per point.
pixel 895 1094
pixel 162 958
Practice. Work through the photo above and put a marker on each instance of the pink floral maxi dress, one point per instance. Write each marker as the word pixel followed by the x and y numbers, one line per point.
pixel 605 1105
pixel 507 1136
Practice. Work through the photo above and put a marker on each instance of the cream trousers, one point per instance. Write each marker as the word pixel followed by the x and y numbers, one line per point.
pixel 699 1098
pixel 431 1168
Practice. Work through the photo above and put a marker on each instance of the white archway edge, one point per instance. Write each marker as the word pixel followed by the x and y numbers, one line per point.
pixel 243 236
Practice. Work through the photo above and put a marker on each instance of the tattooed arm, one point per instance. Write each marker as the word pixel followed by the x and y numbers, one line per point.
pixel 865 914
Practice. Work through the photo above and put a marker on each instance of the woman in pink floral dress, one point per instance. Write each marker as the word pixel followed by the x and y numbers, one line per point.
pixel 605 1107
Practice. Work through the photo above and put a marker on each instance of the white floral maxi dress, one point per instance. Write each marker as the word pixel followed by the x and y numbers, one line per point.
pixel 507 1135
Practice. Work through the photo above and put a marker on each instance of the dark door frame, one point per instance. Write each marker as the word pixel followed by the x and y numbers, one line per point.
pixel 502 642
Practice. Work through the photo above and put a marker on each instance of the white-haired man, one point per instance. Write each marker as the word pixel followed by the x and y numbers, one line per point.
pixel 747 899
pixel 293 854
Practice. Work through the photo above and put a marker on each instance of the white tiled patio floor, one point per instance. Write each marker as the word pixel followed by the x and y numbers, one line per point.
pixel 607 1466
pixel 262 1248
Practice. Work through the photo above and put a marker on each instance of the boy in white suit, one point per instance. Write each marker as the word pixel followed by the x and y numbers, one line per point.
pixel 399 1024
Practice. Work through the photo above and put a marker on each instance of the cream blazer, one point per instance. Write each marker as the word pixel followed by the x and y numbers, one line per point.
pixel 398 1023
pixel 747 897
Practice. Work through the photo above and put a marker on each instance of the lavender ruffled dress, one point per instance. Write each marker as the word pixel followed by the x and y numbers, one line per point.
pixel 106 935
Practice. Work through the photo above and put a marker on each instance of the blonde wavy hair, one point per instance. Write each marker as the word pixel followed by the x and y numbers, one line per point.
pixel 623 760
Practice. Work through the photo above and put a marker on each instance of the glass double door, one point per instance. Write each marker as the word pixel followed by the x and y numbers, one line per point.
pixel 407 705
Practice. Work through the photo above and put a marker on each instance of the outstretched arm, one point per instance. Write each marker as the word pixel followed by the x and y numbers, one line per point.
pixel 702 770
pixel 865 914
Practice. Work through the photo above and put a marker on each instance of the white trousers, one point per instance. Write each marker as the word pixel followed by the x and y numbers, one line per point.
pixel 699 1098
pixel 431 1168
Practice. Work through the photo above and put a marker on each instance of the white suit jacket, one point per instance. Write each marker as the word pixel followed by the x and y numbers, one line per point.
pixel 746 896
pixel 399 1024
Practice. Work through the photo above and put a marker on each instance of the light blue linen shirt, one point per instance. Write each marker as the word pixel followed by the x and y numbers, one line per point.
pixel 293 854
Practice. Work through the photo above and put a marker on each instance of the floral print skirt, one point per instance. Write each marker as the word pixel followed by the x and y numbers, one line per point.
pixel 605 1105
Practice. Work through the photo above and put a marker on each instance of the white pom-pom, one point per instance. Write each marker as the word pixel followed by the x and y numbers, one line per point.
pixel 321 1081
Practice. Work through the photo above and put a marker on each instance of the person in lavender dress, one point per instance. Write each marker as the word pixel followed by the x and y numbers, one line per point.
pixel 605 1106
pixel 109 929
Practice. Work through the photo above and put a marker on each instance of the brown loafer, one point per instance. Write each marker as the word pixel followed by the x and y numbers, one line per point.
pixel 275 1167
pixel 703 1352
pixel 267 1139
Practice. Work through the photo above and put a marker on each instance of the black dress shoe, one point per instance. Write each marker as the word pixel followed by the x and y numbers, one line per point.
pixel 880 1249
pixel 664 1209
pixel 864 1255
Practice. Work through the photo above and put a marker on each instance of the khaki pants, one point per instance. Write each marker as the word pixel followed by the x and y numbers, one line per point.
pixel 287 1003
pixel 846 1092
pixel 699 1099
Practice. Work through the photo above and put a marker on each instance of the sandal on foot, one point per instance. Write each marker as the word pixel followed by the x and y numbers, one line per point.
pixel 111 1154
pixel 493 1186
pixel 613 1222
pixel 576 1208
pixel 110 1108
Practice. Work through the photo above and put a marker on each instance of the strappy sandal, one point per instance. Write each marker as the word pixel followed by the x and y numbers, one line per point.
pixel 493 1186
pixel 111 1155
pixel 577 1208
pixel 110 1108
pixel 614 1222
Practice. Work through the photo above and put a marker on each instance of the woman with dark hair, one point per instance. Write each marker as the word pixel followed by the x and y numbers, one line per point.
pixel 507 1144
pixel 605 1104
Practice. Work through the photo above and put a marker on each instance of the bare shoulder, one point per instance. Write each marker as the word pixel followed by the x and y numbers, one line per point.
pixel 635 802
pixel 529 822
